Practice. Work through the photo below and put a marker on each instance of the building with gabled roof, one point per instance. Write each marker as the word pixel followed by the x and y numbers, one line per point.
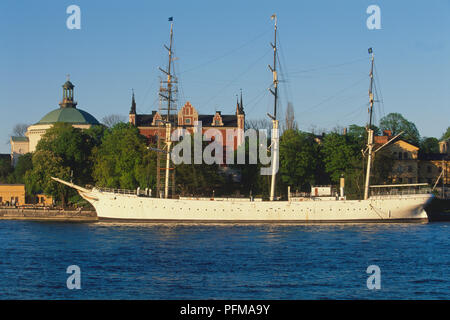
pixel 411 166
pixel 186 118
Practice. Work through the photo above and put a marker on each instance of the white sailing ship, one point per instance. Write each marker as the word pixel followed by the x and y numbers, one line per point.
pixel 378 207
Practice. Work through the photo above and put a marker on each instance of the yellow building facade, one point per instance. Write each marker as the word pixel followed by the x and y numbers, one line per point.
pixel 412 167
pixel 12 194
pixel 15 195
pixel 406 165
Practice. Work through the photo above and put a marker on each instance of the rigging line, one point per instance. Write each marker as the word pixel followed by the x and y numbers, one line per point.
pixel 288 88
pixel 147 108
pixel 142 100
pixel 333 96
pixel 228 53
pixel 251 101
pixel 180 84
pixel 285 89
pixel 378 85
pixel 378 113
pixel 328 66
pixel 349 116
pixel 254 102
pixel 240 75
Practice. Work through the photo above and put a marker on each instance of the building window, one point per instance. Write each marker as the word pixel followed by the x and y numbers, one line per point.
pixel 400 156
pixel 409 169
pixel 405 155
pixel 400 180
pixel 429 180
pixel 187 121
pixel 410 180
pixel 429 169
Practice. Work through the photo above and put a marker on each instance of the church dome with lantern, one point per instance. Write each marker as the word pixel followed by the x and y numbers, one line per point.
pixel 67 113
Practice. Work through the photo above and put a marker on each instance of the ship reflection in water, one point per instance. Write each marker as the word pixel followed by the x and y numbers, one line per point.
pixel 231 261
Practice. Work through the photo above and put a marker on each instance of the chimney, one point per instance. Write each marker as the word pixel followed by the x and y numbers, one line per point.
pixel 387 133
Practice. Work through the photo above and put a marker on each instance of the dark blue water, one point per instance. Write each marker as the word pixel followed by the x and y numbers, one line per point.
pixel 145 261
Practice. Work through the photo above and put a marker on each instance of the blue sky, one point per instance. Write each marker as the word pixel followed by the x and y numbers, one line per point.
pixel 222 47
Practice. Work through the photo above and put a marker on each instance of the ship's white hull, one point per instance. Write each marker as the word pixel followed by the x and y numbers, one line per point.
pixel 381 209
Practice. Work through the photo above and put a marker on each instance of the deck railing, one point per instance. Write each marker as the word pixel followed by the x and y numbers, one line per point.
pixel 403 189
pixel 118 191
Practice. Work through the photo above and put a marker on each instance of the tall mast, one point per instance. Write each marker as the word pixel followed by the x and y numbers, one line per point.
pixel 275 139
pixel 166 94
pixel 369 132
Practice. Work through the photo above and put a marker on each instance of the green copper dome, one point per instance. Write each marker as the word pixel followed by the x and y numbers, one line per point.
pixel 68 112
pixel 69 115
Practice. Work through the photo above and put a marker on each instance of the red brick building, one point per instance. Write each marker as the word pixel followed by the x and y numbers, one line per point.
pixel 186 118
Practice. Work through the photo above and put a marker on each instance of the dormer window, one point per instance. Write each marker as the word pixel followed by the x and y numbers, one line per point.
pixel 217 119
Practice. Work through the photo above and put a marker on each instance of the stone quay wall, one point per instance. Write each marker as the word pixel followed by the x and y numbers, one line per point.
pixel 44 214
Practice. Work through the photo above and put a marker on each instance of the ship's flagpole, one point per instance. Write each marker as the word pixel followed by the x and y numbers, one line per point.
pixel 369 132
pixel 275 138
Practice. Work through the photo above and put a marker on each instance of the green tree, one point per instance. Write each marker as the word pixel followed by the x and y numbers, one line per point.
pixel 73 146
pixel 47 164
pixel 397 123
pixel 123 160
pixel 64 152
pixel 429 145
pixel 252 182
pixel 339 153
pixel 359 133
pixel 298 159
pixel 446 135
pixel 24 164
pixel 5 169
pixel 200 179
pixel 342 158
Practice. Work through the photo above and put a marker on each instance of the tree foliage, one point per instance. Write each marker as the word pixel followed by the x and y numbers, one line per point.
pixel 24 164
pixel 113 119
pixel 257 124
pixel 73 146
pixel 20 129
pixel 429 145
pixel 199 179
pixel 47 164
pixel 339 153
pixel 290 123
pixel 123 160
pixel 397 123
pixel 5 169
pixel 446 134
pixel 298 159
pixel 63 152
